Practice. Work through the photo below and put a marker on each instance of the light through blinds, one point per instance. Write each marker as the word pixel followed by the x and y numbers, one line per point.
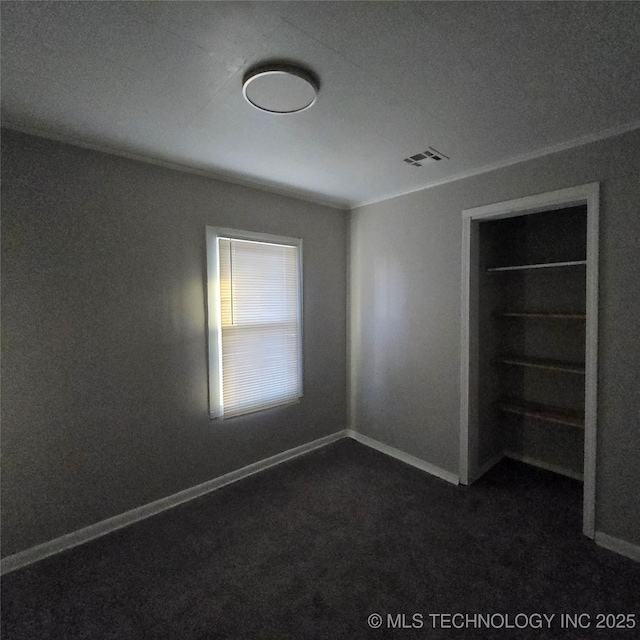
pixel 260 325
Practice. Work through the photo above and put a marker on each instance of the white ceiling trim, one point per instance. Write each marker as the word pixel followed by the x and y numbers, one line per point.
pixel 212 175
pixel 611 132
pixel 335 204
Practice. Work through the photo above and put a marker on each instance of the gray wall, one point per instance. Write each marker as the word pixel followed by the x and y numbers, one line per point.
pixel 405 314
pixel 104 367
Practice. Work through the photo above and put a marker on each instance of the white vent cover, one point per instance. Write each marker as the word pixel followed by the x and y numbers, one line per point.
pixel 430 155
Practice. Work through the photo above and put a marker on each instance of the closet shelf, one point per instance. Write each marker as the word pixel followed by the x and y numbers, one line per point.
pixel 543 412
pixel 542 265
pixel 549 365
pixel 544 316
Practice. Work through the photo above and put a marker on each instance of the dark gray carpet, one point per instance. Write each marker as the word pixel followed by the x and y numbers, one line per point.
pixel 310 548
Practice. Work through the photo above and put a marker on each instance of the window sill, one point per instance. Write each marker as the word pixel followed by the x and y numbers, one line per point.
pixel 270 407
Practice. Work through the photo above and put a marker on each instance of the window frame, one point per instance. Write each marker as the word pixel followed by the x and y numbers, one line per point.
pixel 214 322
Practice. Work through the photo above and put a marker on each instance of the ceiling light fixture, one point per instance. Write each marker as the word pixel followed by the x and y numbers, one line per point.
pixel 280 89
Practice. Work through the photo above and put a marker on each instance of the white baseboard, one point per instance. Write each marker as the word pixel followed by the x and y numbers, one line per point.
pixel 76 538
pixel 404 457
pixel 617 545
pixel 492 462
pixel 544 465
pixel 99 529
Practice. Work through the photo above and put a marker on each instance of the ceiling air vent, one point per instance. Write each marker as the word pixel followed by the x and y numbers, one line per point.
pixel 430 155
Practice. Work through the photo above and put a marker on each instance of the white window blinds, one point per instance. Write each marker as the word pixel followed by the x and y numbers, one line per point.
pixel 259 332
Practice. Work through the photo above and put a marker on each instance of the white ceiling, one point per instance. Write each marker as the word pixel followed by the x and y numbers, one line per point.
pixel 484 83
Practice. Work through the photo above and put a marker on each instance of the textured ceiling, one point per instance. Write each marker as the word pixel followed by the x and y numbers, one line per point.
pixel 484 83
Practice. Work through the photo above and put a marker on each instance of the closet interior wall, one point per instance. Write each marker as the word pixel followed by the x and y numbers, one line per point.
pixel 532 339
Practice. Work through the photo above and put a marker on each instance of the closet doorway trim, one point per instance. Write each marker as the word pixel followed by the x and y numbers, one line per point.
pixel 586 194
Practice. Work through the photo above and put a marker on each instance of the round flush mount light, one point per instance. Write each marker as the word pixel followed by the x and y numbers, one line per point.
pixel 280 89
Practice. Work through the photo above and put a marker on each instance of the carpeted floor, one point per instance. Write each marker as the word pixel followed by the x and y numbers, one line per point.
pixel 311 548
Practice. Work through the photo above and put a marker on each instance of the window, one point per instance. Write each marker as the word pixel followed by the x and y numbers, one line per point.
pixel 255 321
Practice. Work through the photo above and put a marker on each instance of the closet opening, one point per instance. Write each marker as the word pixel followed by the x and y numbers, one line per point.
pixel 529 337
